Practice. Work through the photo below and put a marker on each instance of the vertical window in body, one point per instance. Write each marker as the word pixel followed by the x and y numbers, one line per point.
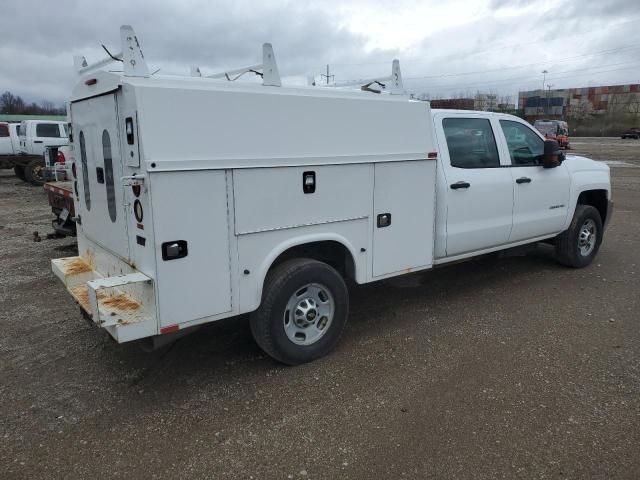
pixel 85 171
pixel 108 174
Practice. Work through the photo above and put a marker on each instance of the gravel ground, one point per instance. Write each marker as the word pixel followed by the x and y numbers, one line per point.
pixel 496 368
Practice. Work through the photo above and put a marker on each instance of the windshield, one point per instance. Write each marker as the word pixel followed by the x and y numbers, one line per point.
pixel 546 128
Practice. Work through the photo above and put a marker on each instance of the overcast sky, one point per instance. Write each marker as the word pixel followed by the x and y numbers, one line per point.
pixel 444 47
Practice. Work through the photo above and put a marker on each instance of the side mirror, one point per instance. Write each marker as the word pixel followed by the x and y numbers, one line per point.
pixel 553 156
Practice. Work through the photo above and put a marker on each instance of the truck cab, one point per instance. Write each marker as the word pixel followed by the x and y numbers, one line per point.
pixel 35 135
pixel 494 189
pixel 9 141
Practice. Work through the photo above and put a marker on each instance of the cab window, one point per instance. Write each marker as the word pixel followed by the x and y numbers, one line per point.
pixel 471 143
pixel 47 130
pixel 525 147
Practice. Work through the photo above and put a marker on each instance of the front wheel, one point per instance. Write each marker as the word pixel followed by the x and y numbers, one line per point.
pixel 305 304
pixel 578 246
pixel 34 172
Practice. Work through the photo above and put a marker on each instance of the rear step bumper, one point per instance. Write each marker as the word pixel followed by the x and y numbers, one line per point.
pixel 123 304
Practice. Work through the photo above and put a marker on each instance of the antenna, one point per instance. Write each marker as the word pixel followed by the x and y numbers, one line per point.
pixel 392 83
pixel 270 75
pixel 131 56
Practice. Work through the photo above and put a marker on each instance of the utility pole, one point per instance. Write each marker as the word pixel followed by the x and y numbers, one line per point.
pixel 327 76
pixel 549 86
pixel 544 80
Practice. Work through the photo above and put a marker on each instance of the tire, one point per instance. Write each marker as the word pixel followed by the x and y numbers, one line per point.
pixel 33 172
pixel 297 286
pixel 578 246
pixel 19 171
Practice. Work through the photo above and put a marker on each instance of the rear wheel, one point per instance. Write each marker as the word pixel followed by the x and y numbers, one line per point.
pixel 578 246
pixel 34 172
pixel 19 171
pixel 304 310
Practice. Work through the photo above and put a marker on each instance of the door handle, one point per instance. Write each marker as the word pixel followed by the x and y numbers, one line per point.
pixel 457 185
pixel 523 180
pixel 37 141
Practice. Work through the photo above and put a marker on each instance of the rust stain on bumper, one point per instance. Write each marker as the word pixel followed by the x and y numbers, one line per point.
pixel 77 266
pixel 121 302
pixel 81 295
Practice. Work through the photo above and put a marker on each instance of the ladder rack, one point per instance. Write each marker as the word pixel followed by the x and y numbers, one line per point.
pixel 133 62
pixel 134 65
pixel 391 83
pixel 268 69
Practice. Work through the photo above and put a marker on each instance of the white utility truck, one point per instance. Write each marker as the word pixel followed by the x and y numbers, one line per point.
pixel 274 196
pixel 26 167
pixel 36 135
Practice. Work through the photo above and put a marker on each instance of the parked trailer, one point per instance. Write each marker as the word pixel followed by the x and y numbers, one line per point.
pixel 275 195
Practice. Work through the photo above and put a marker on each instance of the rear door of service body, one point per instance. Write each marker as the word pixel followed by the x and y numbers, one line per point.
pixel 101 206
pixel 541 195
pixel 478 190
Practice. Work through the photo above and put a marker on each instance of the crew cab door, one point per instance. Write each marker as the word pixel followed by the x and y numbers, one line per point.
pixel 15 139
pixel 478 192
pixel 541 195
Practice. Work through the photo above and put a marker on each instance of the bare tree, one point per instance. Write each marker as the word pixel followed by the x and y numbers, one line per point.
pixel 14 104
pixel 9 103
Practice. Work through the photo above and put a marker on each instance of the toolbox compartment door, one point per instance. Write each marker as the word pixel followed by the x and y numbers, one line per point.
pixel 403 220
pixel 190 213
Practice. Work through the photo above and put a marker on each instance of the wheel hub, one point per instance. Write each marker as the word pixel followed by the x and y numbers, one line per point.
pixel 308 314
pixel 587 237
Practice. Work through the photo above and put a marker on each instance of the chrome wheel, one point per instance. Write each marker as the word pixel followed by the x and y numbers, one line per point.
pixel 587 237
pixel 308 314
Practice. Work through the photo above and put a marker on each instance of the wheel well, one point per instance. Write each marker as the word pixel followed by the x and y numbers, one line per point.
pixel 597 199
pixel 330 252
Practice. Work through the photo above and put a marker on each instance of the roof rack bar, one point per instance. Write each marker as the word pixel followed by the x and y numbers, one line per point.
pixel 268 69
pixel 237 71
pixel 391 83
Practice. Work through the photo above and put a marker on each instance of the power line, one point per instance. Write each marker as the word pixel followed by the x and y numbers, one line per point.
pixel 528 77
pixel 497 82
pixel 492 48
pixel 546 62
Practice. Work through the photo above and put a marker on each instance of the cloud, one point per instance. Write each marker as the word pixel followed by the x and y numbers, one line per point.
pixel 443 41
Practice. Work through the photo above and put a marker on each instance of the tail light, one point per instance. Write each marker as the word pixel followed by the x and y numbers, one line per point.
pixel 60 158
pixel 136 189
